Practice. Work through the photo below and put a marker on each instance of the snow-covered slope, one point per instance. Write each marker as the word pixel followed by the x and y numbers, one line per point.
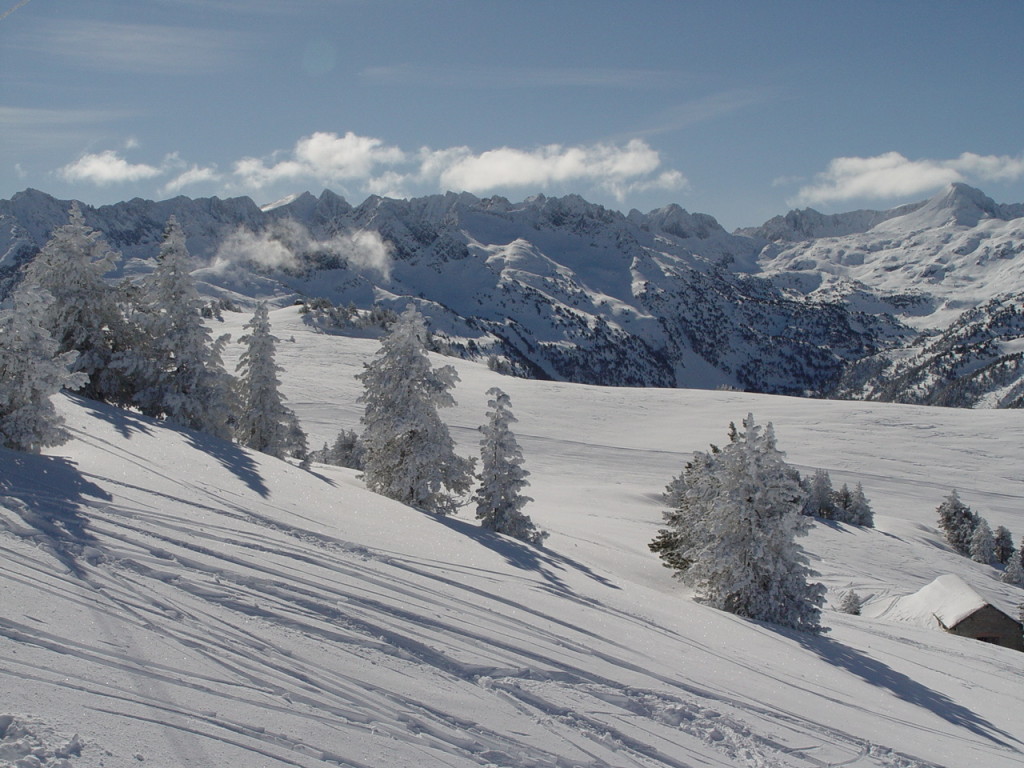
pixel 178 601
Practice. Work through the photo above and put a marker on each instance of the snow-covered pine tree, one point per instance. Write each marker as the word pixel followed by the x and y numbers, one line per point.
pixel 297 440
pixel 345 451
pixel 841 501
pixel 851 603
pixel 499 499
pixel 1003 545
pixel 85 315
pixel 859 511
pixel 820 501
pixel 408 453
pixel 983 543
pixel 265 423
pixel 1014 571
pixel 31 371
pixel 743 556
pixel 178 368
pixel 688 495
pixel 957 522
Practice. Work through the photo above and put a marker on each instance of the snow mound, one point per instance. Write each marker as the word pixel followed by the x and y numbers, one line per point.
pixel 29 745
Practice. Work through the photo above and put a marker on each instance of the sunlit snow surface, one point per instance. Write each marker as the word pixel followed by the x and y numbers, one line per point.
pixel 178 601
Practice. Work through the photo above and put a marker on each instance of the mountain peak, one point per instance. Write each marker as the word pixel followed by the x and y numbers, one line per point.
pixel 958 204
pixel 968 204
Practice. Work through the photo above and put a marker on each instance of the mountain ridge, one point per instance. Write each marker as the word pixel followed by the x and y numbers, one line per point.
pixel 571 290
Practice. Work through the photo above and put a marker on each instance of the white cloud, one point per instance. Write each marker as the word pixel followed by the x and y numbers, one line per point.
pixel 891 175
pixel 107 168
pixel 285 241
pixel 382 169
pixel 353 163
pixel 326 157
pixel 617 169
pixel 194 175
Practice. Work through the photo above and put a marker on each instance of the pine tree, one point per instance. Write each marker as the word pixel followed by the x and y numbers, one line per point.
pixel 859 511
pixel 408 452
pixel 499 500
pixel 957 522
pixel 688 494
pixel 1003 545
pixel 819 501
pixel 1014 571
pixel 851 603
pixel 265 423
pixel 178 369
pixel 345 451
pixel 743 518
pixel 85 315
pixel 32 369
pixel 983 543
pixel 842 500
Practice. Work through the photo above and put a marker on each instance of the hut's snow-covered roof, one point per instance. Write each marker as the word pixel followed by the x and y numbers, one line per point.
pixel 948 599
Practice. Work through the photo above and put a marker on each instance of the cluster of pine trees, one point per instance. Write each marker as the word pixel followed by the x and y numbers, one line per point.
pixel 144 345
pixel 140 344
pixel 843 506
pixel 969 534
pixel 406 451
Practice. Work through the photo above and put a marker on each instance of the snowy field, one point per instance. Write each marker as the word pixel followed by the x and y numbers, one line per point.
pixel 167 599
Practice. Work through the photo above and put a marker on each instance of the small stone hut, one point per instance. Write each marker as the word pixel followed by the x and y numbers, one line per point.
pixel 952 605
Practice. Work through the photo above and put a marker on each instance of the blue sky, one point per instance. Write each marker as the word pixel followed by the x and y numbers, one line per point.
pixel 738 109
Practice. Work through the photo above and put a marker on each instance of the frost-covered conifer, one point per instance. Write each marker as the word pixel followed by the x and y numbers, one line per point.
pixel 851 603
pixel 820 501
pixel 743 517
pixel 688 494
pixel 408 452
pixel 265 423
pixel 983 544
pixel 178 369
pixel 859 511
pixel 345 451
pixel 1014 571
pixel 31 371
pixel 499 499
pixel 1003 545
pixel 85 315
pixel 957 522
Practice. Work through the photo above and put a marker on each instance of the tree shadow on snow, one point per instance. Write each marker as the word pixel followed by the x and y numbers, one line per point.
pixel 232 458
pixel 527 557
pixel 125 422
pixel 835 525
pixel 881 675
pixel 43 499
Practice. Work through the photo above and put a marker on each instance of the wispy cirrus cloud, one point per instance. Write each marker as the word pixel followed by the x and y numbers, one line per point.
pixel 892 175
pixel 139 48
pixel 707 108
pixel 521 77
pixel 33 127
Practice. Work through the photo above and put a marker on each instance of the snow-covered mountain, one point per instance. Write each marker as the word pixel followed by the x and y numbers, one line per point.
pixel 562 289
pixel 170 599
